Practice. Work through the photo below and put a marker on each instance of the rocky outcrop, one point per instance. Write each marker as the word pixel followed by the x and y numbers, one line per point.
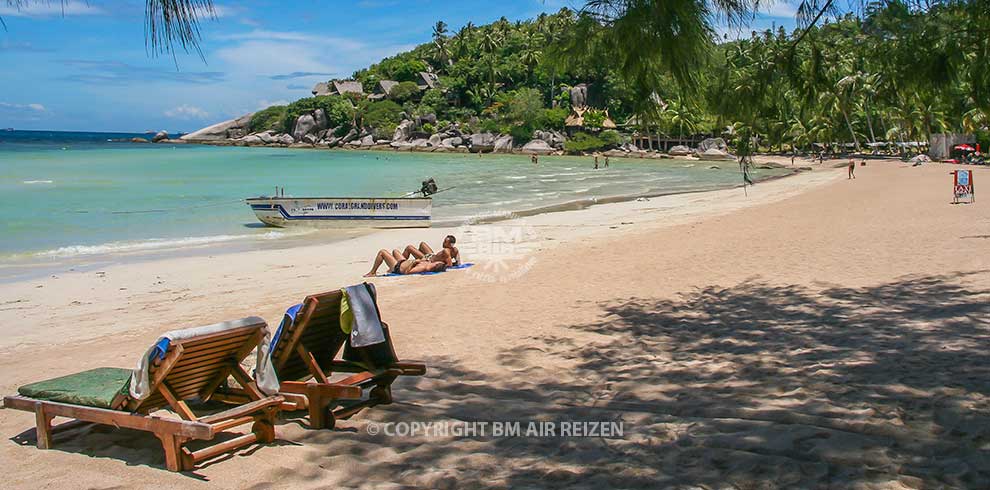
pixel 553 138
pixel 252 140
pixel 714 154
pixel 427 119
pixel 503 144
pixel 160 136
pixel 233 128
pixel 139 140
pixel 452 142
pixel 304 125
pixel 709 143
pixel 679 150
pixel 537 147
pixel 285 139
pixel 267 137
pixel 579 95
pixel 320 117
pixel 482 142
pixel 435 140
pixel 367 141
pixel 402 131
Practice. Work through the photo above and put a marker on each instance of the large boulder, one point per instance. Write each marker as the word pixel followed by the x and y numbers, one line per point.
pixel 321 119
pixel 220 131
pixel 452 142
pixel 714 154
pixel 310 138
pixel 420 143
pixel 350 136
pixel 579 95
pixel 139 140
pixel 159 136
pixel 252 140
pixel 553 138
pixel 285 139
pixel 267 137
pixel 716 143
pixel 304 125
pixel 427 119
pixel 435 140
pixel 403 130
pixel 368 140
pixel 537 147
pixel 482 142
pixel 503 144
pixel 679 150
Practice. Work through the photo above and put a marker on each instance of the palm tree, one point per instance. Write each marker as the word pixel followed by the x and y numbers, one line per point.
pixel 168 23
pixel 491 42
pixel 441 49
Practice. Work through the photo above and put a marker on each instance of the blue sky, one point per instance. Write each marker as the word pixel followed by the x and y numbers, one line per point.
pixel 82 65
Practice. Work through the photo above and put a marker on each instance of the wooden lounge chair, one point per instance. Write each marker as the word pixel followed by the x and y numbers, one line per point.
pixel 190 368
pixel 305 358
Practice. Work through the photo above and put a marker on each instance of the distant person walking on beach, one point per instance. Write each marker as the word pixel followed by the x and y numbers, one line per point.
pixel 606 161
pixel 852 169
pixel 596 162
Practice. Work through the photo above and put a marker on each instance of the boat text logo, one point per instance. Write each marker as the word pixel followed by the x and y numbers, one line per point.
pixel 363 205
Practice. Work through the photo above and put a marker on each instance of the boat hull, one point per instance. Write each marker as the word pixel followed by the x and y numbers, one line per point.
pixel 343 212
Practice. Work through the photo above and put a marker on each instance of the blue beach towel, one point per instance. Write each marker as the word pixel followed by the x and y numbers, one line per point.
pixel 461 266
pixel 287 320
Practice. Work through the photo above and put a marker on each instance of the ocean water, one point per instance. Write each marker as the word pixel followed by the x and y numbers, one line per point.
pixel 75 194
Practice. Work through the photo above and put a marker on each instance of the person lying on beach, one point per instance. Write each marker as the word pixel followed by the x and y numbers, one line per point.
pixel 448 252
pixel 398 264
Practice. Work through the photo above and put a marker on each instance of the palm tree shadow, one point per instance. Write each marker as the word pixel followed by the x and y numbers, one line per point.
pixel 754 386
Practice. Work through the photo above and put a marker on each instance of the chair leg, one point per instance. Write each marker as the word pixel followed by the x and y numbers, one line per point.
pixel 173 451
pixel 264 426
pixel 382 392
pixel 43 427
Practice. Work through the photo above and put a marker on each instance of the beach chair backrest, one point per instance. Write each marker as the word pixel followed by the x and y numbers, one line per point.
pixel 193 368
pixel 317 329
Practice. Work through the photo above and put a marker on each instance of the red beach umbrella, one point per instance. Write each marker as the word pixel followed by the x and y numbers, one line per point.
pixel 964 148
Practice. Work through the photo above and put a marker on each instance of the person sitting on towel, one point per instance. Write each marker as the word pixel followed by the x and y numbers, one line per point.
pixel 397 264
pixel 447 254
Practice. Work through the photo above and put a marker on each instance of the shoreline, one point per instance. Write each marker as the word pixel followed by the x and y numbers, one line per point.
pixel 27 265
pixel 546 230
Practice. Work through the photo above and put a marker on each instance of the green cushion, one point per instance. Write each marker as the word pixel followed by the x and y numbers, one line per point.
pixel 94 388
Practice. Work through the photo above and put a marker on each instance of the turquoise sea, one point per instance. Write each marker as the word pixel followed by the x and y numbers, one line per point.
pixel 75 194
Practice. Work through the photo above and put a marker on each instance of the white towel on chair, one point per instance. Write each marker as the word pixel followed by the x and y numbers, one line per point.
pixel 264 372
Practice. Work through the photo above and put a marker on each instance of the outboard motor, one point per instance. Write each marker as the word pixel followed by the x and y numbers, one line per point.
pixel 429 187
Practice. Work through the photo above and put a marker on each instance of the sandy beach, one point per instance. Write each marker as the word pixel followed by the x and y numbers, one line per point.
pixel 811 332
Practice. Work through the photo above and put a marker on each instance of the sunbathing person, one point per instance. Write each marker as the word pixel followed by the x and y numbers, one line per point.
pixel 397 264
pixel 448 253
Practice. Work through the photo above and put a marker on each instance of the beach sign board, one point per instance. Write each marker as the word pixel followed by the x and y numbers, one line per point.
pixel 962 186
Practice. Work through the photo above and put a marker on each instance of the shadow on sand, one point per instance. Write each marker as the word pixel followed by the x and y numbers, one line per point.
pixel 754 386
pixel 757 386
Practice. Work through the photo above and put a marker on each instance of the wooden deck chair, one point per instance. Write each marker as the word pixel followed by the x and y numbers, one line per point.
pixel 190 368
pixel 305 358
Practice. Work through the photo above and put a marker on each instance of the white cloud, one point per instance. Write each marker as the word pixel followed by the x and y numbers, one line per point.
pixel 50 9
pixel 264 104
pixel 266 52
pixel 22 107
pixel 186 111
pixel 782 10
